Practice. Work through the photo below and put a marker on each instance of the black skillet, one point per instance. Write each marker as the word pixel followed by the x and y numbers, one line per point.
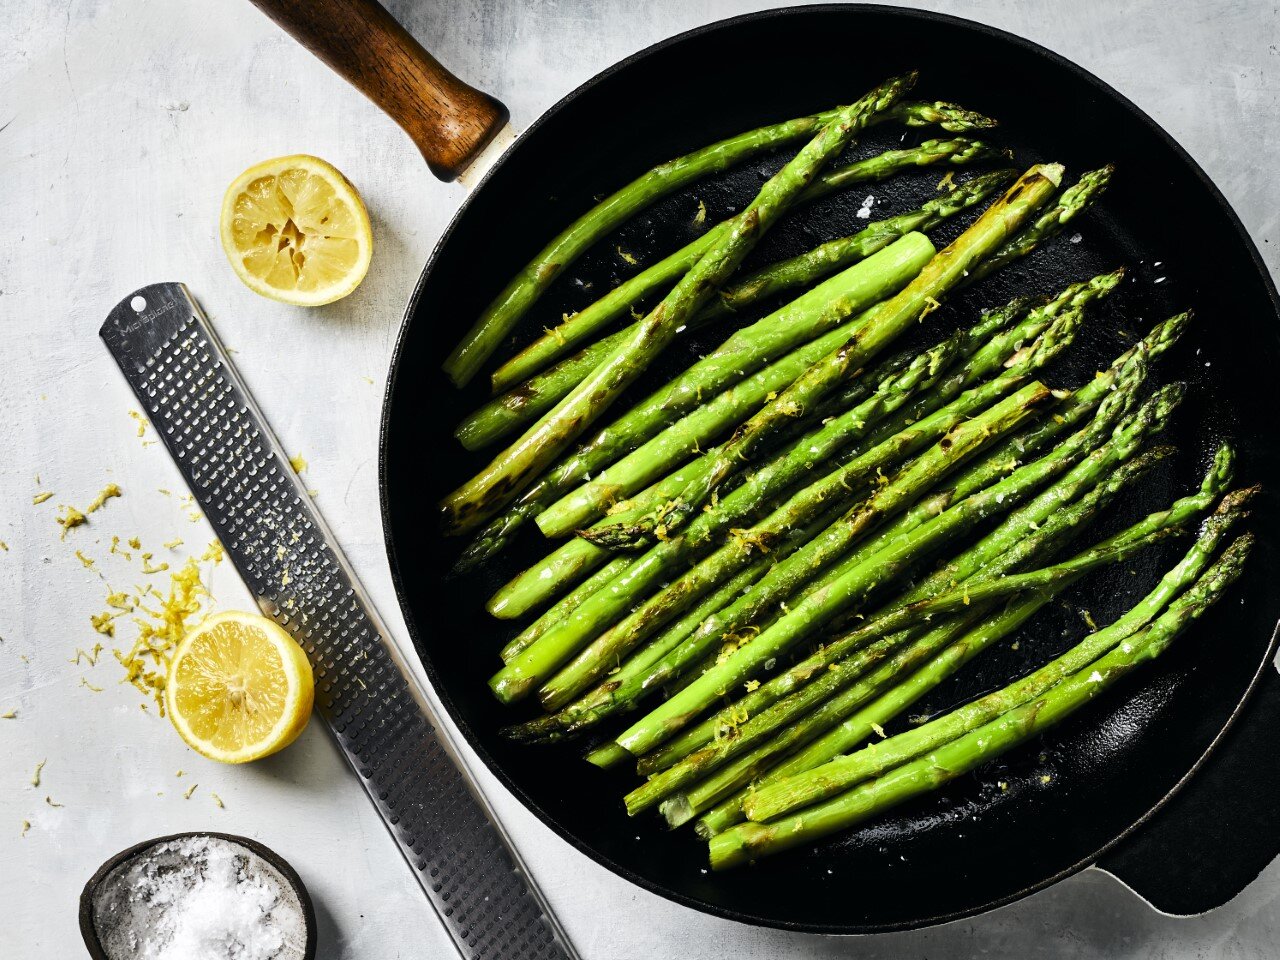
pixel 1107 787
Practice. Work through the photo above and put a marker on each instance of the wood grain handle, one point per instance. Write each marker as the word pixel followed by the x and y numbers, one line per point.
pixel 449 120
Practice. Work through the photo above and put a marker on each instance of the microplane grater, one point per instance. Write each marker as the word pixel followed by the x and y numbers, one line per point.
pixel 375 708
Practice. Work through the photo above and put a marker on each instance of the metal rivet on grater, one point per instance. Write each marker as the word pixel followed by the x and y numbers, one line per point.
pixel 239 474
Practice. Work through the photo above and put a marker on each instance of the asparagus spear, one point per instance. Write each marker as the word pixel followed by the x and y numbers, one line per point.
pixel 1073 201
pixel 511 470
pixel 529 399
pixel 504 312
pixel 967 599
pixel 565 606
pixel 833 738
pixel 836 775
pixel 537 662
pixel 750 840
pixel 856 583
pixel 889 319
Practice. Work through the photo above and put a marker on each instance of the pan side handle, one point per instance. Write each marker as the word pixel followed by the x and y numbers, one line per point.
pixel 1217 833
pixel 449 120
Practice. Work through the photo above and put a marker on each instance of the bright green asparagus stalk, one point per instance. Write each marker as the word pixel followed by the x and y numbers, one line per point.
pixel 750 840
pixel 520 293
pixel 531 398
pixel 565 606
pixel 819 607
pixel 999 222
pixel 541 659
pixel 1074 201
pixel 581 326
pixel 966 599
pixel 837 775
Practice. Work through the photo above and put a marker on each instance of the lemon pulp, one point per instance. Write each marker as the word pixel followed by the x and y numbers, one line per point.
pixel 296 230
pixel 239 688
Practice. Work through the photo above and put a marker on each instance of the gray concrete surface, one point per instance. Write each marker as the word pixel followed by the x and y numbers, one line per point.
pixel 121 121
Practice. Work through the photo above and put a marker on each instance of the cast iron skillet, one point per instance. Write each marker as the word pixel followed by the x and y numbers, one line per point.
pixel 1098 789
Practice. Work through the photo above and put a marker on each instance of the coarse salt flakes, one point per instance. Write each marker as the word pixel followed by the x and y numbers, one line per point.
pixel 198 897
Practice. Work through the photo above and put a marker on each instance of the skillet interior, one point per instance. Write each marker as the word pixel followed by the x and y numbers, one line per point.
pixel 974 845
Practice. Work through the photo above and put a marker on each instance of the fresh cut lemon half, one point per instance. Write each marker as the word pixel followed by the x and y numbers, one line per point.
pixel 239 688
pixel 296 230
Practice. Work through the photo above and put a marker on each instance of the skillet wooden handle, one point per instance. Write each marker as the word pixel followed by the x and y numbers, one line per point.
pixel 449 121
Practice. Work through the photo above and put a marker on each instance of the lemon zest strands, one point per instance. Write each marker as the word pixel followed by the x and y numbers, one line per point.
pixel 160 630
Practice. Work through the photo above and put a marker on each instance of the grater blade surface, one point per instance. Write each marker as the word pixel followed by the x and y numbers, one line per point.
pixel 373 705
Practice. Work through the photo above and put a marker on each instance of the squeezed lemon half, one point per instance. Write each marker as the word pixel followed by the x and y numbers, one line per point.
pixel 296 230
pixel 239 688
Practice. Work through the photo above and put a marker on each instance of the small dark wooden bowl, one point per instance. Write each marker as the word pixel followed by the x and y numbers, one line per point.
pixel 90 932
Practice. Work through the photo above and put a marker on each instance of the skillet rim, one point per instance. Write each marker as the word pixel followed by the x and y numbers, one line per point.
pixel 439 688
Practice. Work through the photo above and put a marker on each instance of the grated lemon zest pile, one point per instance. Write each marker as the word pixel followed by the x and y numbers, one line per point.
pixel 298 462
pixel 161 629
pixel 142 421
pixel 86 561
